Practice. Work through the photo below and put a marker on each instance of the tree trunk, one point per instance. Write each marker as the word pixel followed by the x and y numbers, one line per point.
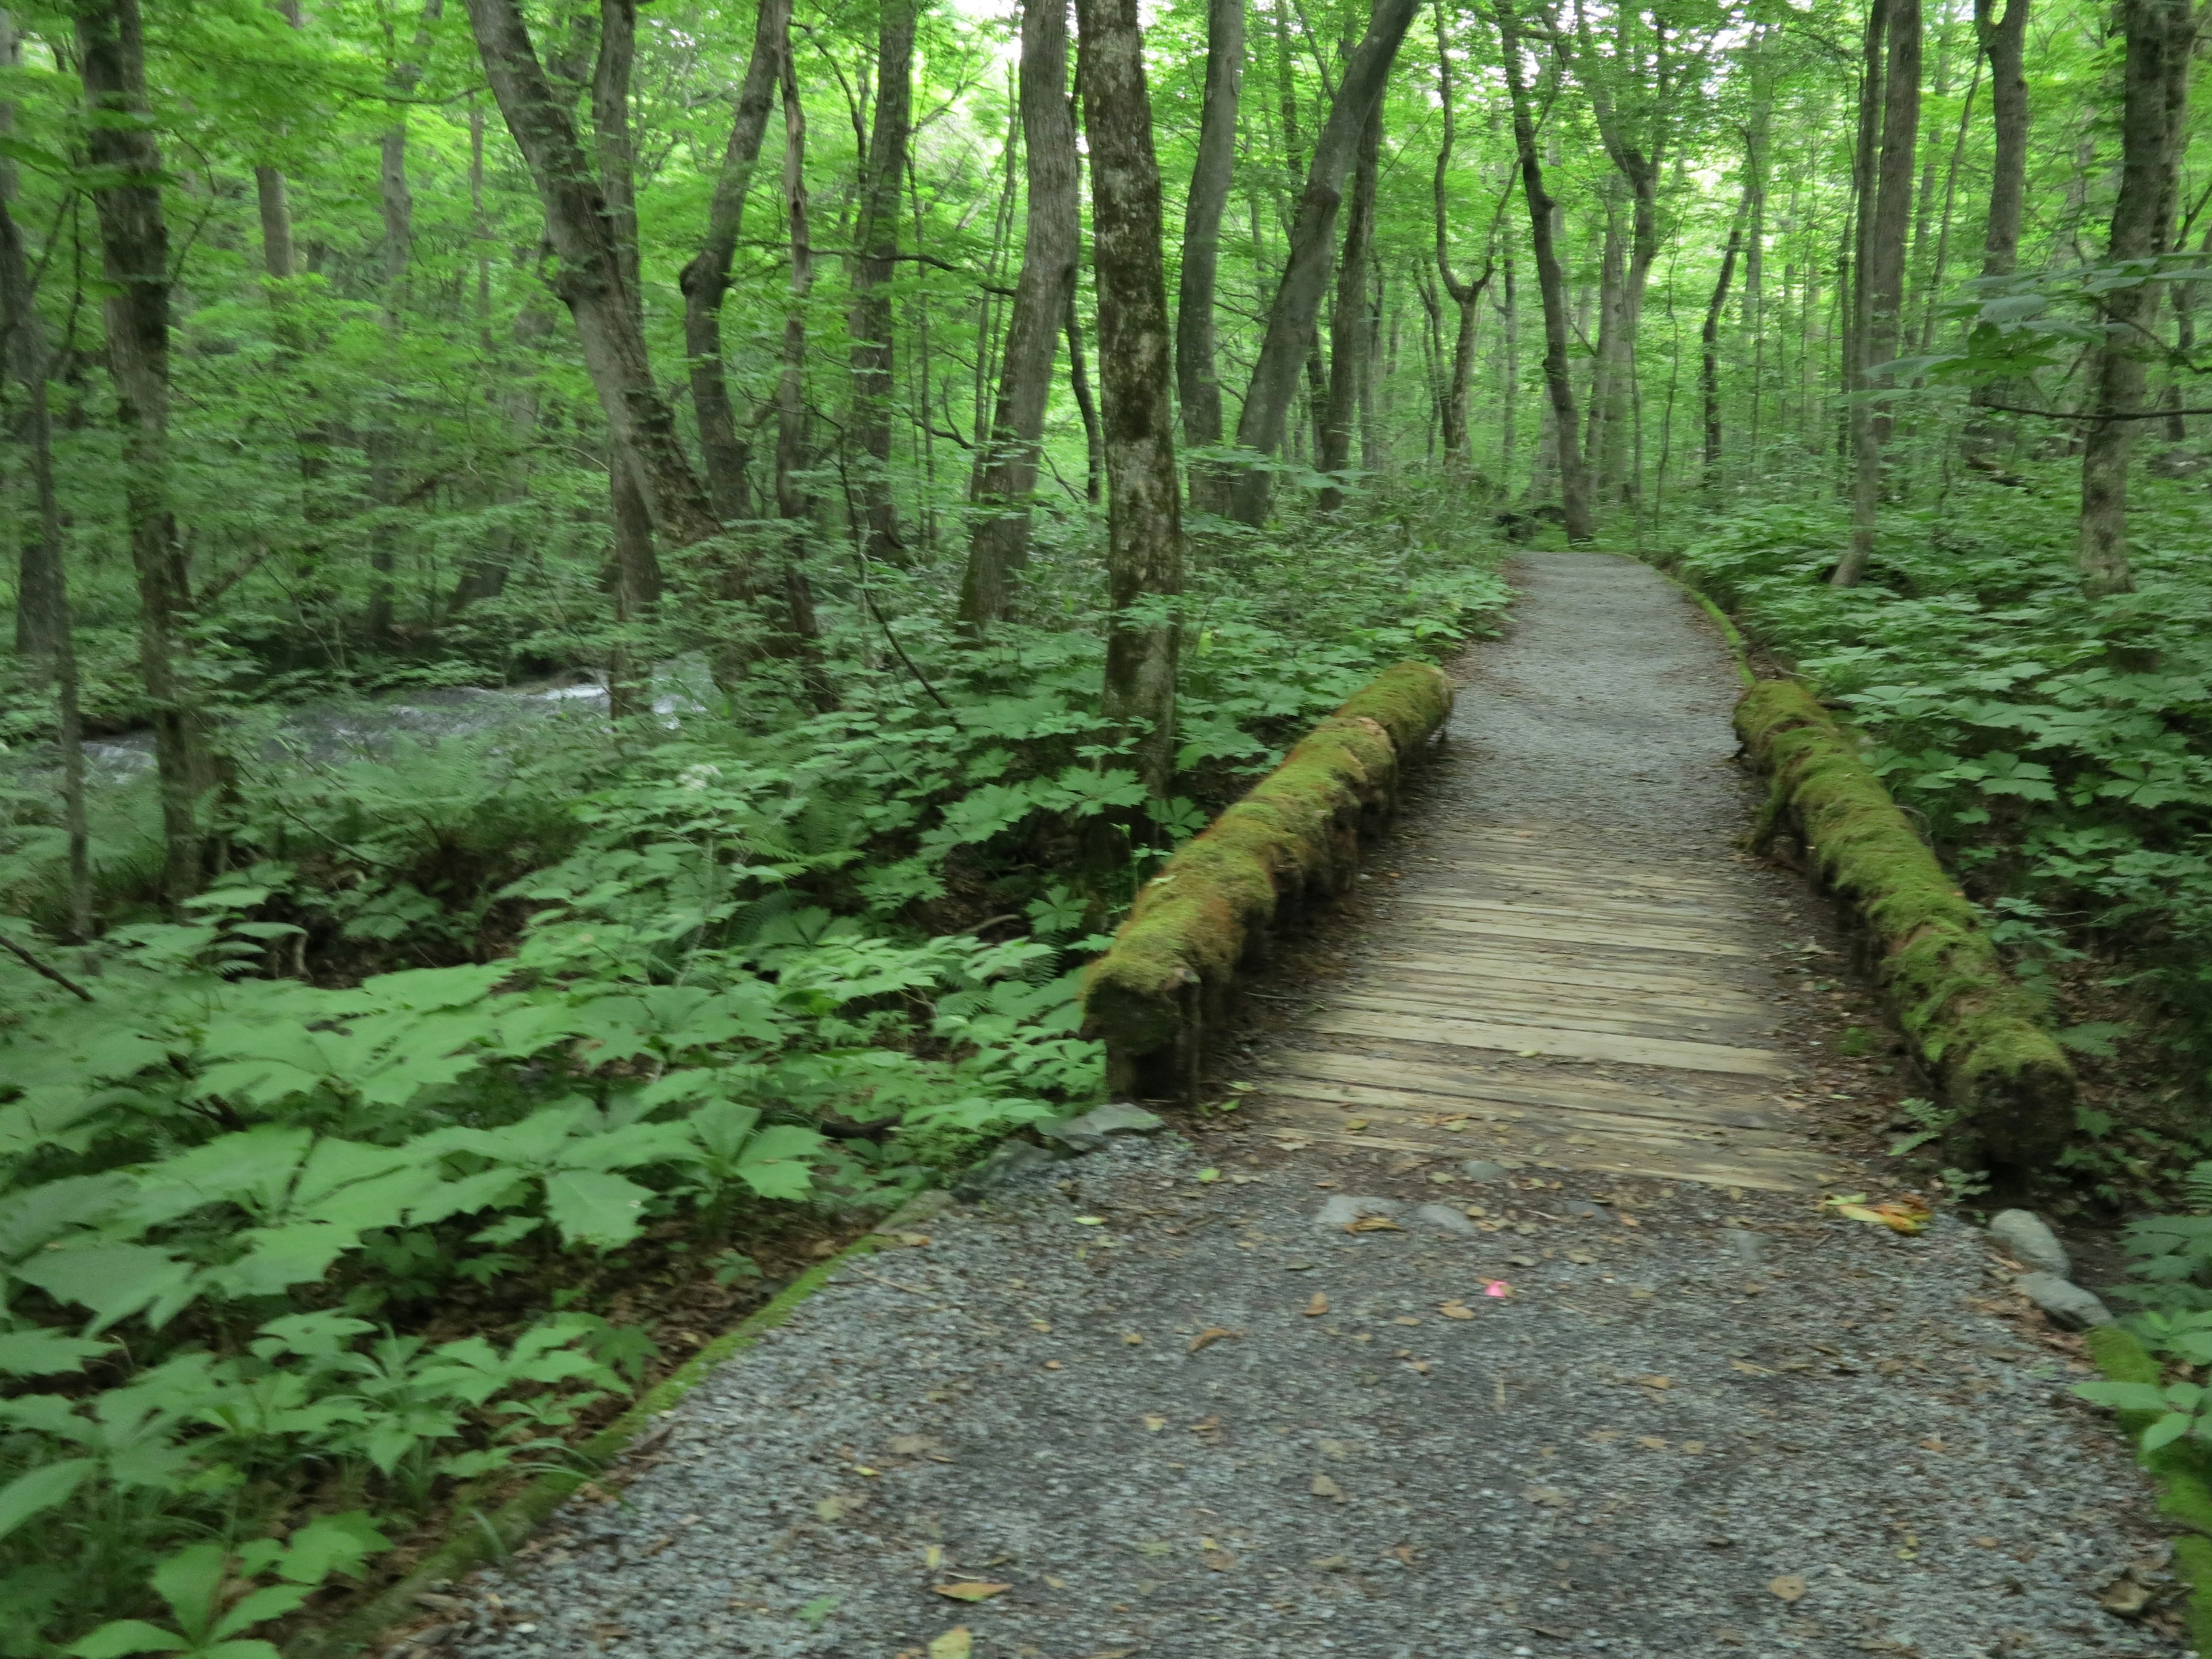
pixel 705 279
pixel 1348 323
pixel 878 239
pixel 998 546
pixel 1709 340
pixel 1452 405
pixel 1296 305
pixel 2160 33
pixel 1144 529
pixel 1508 432
pixel 23 349
pixel 1574 483
pixel 274 202
pixel 1087 406
pixel 134 257
pixel 2003 41
pixel 589 280
pixel 1198 387
pixel 798 638
pixel 1889 102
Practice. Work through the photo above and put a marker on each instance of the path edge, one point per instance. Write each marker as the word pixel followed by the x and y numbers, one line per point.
pixel 2184 1497
pixel 473 1537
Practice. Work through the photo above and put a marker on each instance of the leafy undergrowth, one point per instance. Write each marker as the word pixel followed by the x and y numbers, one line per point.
pixel 2056 751
pixel 378 1170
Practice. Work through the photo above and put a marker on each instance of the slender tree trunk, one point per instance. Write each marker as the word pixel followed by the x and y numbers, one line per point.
pixel 1574 483
pixel 119 143
pixel 485 575
pixel 877 239
pixel 1886 217
pixel 798 638
pixel 1144 529
pixel 23 349
pixel 999 545
pixel 1348 323
pixel 589 280
pixel 1607 413
pixel 2003 42
pixel 1296 305
pixel 1197 383
pixel 1452 405
pixel 1087 406
pixel 705 279
pixel 1509 424
pixel 274 200
pixel 1709 340
pixel 2158 33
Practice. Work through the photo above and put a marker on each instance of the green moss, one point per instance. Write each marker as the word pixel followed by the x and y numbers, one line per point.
pixel 1409 702
pixel 1293 838
pixel 1974 1029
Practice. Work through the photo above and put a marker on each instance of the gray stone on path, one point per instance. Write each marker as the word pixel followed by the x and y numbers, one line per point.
pixel 1582 1208
pixel 2067 1306
pixel 1010 1159
pixel 1345 1209
pixel 1443 1218
pixel 1482 1169
pixel 1089 1132
pixel 1747 1246
pixel 2027 1239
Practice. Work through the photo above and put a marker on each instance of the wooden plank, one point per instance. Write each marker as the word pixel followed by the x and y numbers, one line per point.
pixel 1400 998
pixel 1563 968
pixel 1552 1040
pixel 1610 938
pixel 1641 1004
pixel 1672 1118
pixel 1507 1091
pixel 1580 896
pixel 1598 870
pixel 1695 936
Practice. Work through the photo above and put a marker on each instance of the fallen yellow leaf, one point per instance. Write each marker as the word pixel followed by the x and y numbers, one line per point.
pixel 1655 1381
pixel 1373 1223
pixel 1354 1124
pixel 1135 1340
pixel 1325 1487
pixel 1317 1307
pixel 1455 1309
pixel 1155 1424
pixel 970 1590
pixel 1651 1443
pixel 1789 1587
pixel 1208 1337
pixel 956 1644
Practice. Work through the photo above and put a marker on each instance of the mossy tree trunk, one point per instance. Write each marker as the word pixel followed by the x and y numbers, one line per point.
pixel 1144 526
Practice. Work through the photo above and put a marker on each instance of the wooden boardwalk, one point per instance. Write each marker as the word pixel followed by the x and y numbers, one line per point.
pixel 1544 1000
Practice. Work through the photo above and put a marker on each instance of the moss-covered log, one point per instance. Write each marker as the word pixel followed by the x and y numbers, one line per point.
pixel 1291 842
pixel 1974 1031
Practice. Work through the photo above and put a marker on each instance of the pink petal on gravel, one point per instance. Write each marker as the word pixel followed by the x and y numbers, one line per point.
pixel 1496 1287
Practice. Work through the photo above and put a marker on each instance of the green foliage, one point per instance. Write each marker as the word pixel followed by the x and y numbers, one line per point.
pixel 2056 749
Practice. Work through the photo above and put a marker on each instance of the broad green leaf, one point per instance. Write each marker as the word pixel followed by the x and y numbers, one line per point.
pixel 41 1353
pixel 331 1545
pixel 39 1490
pixel 2123 1396
pixel 121 1636
pixel 254 1168
pixel 594 1208
pixel 2168 1430
pixel 113 1280
pixel 35 1215
pixel 257 1606
pixel 776 1161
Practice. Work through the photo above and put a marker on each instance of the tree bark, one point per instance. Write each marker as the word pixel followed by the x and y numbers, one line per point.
pixel 1709 340
pixel 798 638
pixel 590 281
pixel 1198 385
pixel 134 237
pixel 1452 404
pixel 1087 406
pixel 1889 97
pixel 1551 281
pixel 1296 306
pixel 2160 34
pixel 1349 325
pixel 705 279
pixel 1144 528
pixel 998 546
pixel 274 200
pixel 2003 42
pixel 877 239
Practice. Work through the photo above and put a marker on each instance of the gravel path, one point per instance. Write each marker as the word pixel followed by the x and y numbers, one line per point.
pixel 1172 1414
